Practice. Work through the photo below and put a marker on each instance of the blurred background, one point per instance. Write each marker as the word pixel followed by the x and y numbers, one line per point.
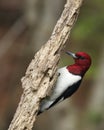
pixel 24 27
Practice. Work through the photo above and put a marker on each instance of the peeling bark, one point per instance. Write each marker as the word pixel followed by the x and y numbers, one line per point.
pixel 41 73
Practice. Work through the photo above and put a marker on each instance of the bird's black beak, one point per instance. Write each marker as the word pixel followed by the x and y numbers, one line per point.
pixel 71 54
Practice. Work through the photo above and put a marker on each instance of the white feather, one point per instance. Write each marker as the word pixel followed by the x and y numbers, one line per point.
pixel 65 80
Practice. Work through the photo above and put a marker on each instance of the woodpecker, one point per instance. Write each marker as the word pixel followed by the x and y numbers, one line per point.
pixel 68 81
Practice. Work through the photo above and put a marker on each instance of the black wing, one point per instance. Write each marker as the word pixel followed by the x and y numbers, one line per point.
pixel 67 93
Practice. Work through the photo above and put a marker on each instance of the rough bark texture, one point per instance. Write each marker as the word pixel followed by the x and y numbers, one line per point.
pixel 41 73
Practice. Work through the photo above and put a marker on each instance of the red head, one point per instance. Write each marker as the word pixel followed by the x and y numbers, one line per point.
pixel 82 63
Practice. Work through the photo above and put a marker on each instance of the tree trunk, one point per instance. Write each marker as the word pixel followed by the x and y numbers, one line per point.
pixel 41 73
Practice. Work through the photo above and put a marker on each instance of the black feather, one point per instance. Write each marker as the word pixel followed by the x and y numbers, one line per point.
pixel 67 93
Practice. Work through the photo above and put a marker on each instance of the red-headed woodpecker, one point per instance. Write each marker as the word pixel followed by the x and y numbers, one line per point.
pixel 68 81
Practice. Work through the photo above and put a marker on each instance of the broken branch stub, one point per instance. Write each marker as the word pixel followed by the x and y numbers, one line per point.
pixel 41 73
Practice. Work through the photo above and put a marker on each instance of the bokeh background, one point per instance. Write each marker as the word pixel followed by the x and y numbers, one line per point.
pixel 24 27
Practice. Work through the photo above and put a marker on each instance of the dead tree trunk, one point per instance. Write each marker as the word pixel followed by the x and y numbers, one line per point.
pixel 41 73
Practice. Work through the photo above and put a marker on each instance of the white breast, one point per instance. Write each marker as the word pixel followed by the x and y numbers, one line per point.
pixel 65 80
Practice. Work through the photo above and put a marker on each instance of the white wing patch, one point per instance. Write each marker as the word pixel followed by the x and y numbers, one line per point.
pixel 64 80
pixel 45 104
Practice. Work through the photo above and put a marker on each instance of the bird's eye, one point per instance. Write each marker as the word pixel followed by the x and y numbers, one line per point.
pixel 81 57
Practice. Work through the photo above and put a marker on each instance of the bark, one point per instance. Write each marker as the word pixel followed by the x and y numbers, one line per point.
pixel 41 73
